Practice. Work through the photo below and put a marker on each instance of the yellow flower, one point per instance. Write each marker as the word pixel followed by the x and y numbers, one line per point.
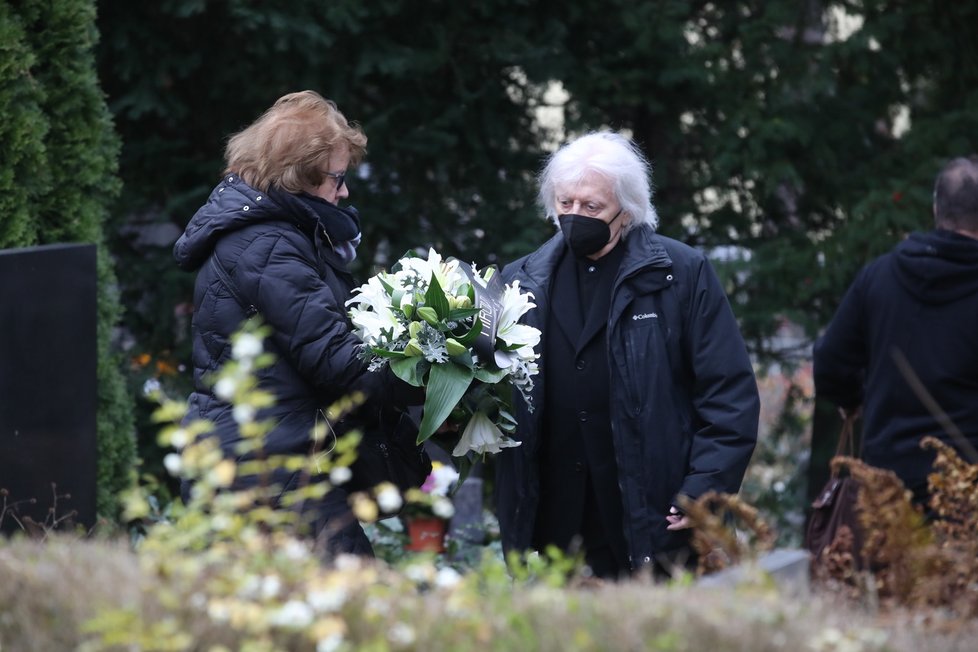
pixel 363 507
pixel 222 475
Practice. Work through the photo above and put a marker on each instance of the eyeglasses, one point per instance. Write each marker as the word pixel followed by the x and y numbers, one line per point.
pixel 340 178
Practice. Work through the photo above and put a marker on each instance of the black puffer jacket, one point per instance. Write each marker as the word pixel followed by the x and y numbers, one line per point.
pixel 280 262
pixel 684 400
pixel 921 299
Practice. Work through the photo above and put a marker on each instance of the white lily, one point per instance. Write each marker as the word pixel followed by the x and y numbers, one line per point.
pixel 515 305
pixel 446 273
pixel 371 325
pixel 482 436
pixel 371 294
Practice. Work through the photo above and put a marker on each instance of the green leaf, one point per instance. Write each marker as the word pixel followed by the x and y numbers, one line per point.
pixel 396 297
pixel 464 466
pixel 407 370
pixel 490 376
pixel 384 353
pixel 454 347
pixel 473 333
pixel 430 315
pixel 410 253
pixel 462 313
pixel 435 298
pixel 387 286
pixel 447 384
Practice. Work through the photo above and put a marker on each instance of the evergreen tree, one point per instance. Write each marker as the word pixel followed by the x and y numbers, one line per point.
pixel 21 135
pixel 69 188
pixel 776 127
pixel 772 126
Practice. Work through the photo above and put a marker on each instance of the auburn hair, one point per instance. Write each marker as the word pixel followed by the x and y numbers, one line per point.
pixel 289 146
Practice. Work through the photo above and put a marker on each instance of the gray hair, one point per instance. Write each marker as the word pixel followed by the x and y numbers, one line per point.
pixel 956 195
pixel 612 156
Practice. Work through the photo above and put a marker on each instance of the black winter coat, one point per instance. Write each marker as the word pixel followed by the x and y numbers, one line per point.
pixel 281 265
pixel 684 400
pixel 920 299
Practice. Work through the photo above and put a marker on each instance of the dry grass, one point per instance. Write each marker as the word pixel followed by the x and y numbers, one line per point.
pixel 49 591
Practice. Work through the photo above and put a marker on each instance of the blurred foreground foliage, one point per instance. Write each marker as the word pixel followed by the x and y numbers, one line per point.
pixel 230 572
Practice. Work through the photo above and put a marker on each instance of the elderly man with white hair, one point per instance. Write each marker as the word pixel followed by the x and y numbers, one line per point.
pixel 646 392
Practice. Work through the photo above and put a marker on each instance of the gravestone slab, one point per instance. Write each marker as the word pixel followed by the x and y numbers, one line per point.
pixel 788 568
pixel 48 386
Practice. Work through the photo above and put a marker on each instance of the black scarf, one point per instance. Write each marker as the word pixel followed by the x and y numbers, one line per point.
pixel 341 226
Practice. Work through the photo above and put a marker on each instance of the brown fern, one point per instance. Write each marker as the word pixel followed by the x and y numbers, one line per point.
pixel 912 561
pixel 715 518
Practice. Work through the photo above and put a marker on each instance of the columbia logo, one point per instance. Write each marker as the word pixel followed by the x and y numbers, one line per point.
pixel 647 315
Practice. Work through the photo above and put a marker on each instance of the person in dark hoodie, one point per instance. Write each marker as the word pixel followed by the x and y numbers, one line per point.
pixel 919 304
pixel 273 241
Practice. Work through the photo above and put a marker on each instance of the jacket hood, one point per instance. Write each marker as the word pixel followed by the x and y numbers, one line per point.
pixel 938 266
pixel 232 205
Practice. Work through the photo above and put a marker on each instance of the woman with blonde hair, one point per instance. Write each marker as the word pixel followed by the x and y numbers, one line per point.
pixel 273 241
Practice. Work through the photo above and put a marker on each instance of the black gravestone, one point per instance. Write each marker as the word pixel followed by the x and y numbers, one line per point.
pixel 48 358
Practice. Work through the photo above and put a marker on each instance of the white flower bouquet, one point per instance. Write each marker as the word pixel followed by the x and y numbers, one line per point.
pixel 452 329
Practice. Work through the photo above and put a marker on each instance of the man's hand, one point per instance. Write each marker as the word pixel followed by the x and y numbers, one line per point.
pixel 677 520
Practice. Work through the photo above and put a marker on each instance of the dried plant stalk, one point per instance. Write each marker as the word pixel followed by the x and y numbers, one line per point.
pixel 717 539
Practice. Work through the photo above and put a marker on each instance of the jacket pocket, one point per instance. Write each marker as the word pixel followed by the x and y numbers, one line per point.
pixel 637 369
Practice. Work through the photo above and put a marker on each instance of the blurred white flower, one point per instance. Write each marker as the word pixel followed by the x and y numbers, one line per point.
pixel 270 586
pixel 294 614
pixel 179 438
pixel 375 605
pixel 173 463
pixel 327 600
pixel 219 611
pixel 340 475
pixel 420 572
pixel 440 480
pixel 243 413
pixel 389 498
pixel 329 643
pixel 347 562
pixel 151 387
pixel 295 550
pixel 442 507
pixel 246 346
pixel 250 587
pixel 363 507
pixel 482 436
pixel 447 577
pixel 224 388
pixel 401 634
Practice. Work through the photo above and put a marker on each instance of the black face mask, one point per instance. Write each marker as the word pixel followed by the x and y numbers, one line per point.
pixel 586 235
